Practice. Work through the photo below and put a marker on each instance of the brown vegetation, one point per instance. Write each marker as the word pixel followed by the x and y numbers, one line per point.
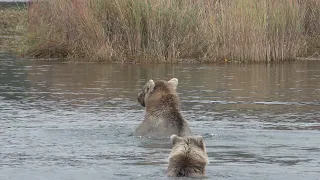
pixel 12 28
pixel 174 30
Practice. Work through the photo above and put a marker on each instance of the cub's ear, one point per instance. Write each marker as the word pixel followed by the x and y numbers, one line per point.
pixel 173 82
pixel 200 142
pixel 150 86
pixel 174 139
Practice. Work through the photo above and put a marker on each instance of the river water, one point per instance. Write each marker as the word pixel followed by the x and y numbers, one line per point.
pixel 75 120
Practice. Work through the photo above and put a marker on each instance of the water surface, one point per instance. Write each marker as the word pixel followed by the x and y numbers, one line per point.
pixel 75 121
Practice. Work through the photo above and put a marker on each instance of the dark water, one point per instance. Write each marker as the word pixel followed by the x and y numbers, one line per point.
pixel 75 121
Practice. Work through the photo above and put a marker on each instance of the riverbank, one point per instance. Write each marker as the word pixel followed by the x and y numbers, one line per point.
pixel 13 25
pixel 171 31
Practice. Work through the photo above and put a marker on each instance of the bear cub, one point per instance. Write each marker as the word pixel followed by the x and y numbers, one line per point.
pixel 162 110
pixel 188 157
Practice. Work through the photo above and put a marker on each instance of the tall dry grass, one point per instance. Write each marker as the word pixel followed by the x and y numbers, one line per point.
pixel 145 31
pixel 312 27
pixel 12 28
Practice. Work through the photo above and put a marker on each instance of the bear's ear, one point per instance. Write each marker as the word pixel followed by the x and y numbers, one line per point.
pixel 173 82
pixel 174 139
pixel 150 86
pixel 200 142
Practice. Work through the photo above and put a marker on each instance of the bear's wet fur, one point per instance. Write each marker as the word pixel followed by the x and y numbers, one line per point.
pixel 188 157
pixel 162 110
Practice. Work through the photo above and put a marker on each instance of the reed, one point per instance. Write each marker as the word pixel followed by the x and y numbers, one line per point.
pixel 12 28
pixel 170 31
pixel 312 28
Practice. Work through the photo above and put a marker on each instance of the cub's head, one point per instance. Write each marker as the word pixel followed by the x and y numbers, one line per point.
pixel 195 142
pixel 190 146
pixel 160 86
pixel 188 156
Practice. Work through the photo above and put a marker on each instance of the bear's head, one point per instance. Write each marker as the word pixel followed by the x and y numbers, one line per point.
pixel 192 148
pixel 196 143
pixel 157 89
pixel 188 156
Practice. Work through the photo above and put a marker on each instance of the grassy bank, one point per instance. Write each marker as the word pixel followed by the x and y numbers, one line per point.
pixel 151 31
pixel 13 28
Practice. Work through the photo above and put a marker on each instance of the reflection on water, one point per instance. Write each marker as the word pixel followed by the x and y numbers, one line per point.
pixel 75 121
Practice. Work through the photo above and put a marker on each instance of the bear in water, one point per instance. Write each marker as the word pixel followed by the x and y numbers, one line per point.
pixel 188 157
pixel 163 117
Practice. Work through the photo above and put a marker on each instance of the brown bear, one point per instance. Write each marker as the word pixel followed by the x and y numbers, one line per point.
pixel 162 104
pixel 188 157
